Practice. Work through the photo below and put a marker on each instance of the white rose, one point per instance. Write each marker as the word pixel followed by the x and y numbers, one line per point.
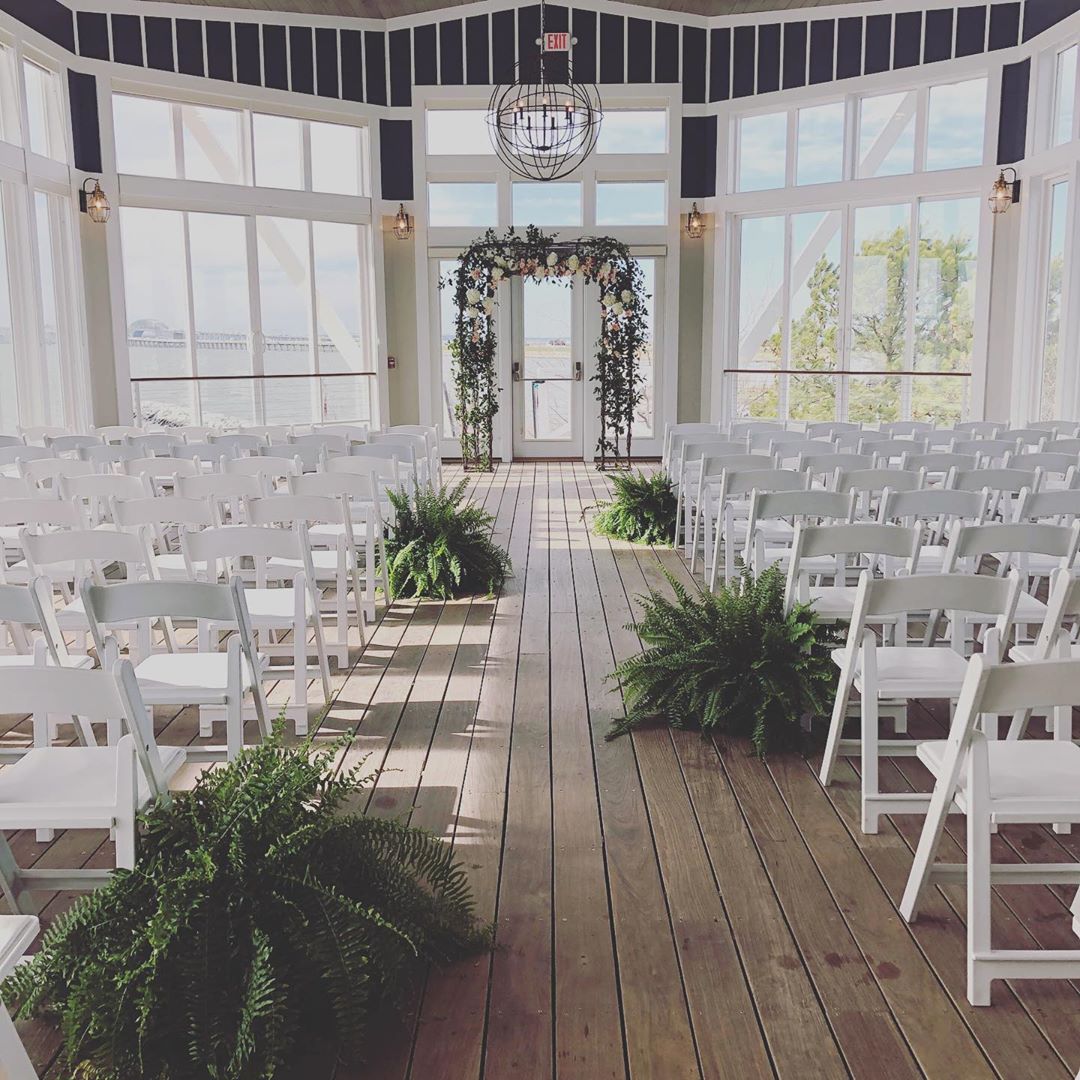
pixel 627 296
pixel 489 306
pixel 552 258
pixel 496 275
pixel 499 260
pixel 473 296
pixel 608 300
pixel 616 309
pixel 605 269
pixel 541 271
pixel 573 262
pixel 472 313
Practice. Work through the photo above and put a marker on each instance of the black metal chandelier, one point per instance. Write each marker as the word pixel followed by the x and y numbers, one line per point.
pixel 543 128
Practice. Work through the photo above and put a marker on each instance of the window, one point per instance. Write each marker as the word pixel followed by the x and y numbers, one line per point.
pixel 887 134
pixel 458 131
pixel 9 97
pixel 1065 95
pixel 279 151
pixel 547 204
pixel 644 423
pixel 1052 328
pixel 955 121
pixel 633 132
pixel 462 204
pixel 212 144
pixel 631 203
pixel 336 159
pixel 825 292
pixel 144 140
pixel 216 146
pixel 50 222
pixel 44 111
pixel 9 396
pixel 762 152
pixel 312 317
pixel 820 144
pixel 447 318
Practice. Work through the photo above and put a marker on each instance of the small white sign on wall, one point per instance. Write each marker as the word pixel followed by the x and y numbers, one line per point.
pixel 557 41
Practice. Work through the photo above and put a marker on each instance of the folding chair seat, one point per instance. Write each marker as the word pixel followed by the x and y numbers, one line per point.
pixel 16 934
pixel 994 783
pixel 272 611
pixel 218 683
pixel 899 673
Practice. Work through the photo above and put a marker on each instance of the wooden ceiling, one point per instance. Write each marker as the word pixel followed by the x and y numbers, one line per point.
pixel 385 9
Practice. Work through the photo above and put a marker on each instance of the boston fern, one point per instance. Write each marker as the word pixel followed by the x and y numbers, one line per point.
pixel 261 919
pixel 439 548
pixel 643 510
pixel 730 663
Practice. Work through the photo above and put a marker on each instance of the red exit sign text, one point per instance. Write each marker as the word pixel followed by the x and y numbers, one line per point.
pixel 557 41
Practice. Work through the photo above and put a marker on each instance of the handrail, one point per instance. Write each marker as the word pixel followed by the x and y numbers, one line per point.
pixel 249 378
pixel 838 372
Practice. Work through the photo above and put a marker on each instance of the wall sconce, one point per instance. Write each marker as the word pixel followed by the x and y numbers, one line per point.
pixel 94 203
pixel 695 223
pixel 403 224
pixel 1004 192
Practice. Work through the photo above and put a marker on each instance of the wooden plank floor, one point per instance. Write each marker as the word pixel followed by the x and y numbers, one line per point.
pixel 666 906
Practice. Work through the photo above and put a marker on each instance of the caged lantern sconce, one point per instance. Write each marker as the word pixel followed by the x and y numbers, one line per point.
pixel 94 202
pixel 403 224
pixel 1005 192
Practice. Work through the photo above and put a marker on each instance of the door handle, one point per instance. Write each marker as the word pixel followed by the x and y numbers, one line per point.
pixel 516 369
pixel 577 371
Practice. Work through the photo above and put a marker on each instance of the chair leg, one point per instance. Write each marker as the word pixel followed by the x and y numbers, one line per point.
pixel 870 786
pixel 978 873
pixel 300 677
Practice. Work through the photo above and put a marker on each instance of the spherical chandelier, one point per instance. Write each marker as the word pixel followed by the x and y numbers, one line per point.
pixel 544 129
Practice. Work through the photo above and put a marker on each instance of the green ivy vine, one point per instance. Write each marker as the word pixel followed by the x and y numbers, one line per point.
pixel 492 260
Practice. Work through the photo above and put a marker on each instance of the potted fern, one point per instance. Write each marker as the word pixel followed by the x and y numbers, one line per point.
pixel 730 663
pixel 440 546
pixel 260 919
pixel 643 510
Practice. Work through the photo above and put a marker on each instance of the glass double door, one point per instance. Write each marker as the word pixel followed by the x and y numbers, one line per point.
pixel 548 368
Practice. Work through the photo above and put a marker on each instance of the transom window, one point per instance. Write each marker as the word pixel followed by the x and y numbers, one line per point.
pixel 1064 128
pixel 44 111
pixel 236 146
pixel 807 145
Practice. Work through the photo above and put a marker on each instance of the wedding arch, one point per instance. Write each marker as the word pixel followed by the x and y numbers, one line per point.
pixel 492 260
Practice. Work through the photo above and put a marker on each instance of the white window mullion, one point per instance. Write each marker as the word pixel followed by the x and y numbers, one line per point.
pixel 257 336
pixel 785 319
pixel 909 315
pixel 193 351
pixel 316 384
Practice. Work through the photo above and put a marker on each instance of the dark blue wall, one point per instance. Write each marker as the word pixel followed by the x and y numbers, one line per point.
pixel 381 68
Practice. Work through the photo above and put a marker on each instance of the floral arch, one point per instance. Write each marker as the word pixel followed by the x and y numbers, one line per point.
pixel 492 260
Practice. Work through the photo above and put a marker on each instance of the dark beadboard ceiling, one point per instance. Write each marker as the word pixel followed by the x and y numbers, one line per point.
pixel 385 9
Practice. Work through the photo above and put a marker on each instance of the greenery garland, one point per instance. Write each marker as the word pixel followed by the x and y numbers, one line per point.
pixel 492 260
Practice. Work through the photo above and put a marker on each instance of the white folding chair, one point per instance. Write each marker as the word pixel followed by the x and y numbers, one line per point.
pixel 384 474
pixel 16 933
pixel 891 450
pixel 272 471
pixel 865 543
pixel 71 444
pixel 364 500
pixel 899 673
pixel 1029 436
pixel 822 467
pixel 675 433
pixel 40 513
pixel 941 510
pixel 107 457
pixel 38 434
pixel 95 492
pixel 995 782
pixel 736 486
pixel 46 472
pixel 1057 470
pixel 978 429
pixel 870 484
pixel 154 443
pixel 431 436
pixel 159 522
pixel 216 682
pixel 237 444
pixel 72 555
pixel 699 486
pixel 828 429
pixel 1015 546
pixel 990 452
pixel 336 566
pixel 688 459
pixel 161 471
pixel 935 466
pixel 272 610
pixel 409 450
pixel 117 433
pixel 1004 486
pixel 774 518
pixel 227 492
pixel 81 787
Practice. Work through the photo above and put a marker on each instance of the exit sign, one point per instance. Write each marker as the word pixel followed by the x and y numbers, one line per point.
pixel 557 41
